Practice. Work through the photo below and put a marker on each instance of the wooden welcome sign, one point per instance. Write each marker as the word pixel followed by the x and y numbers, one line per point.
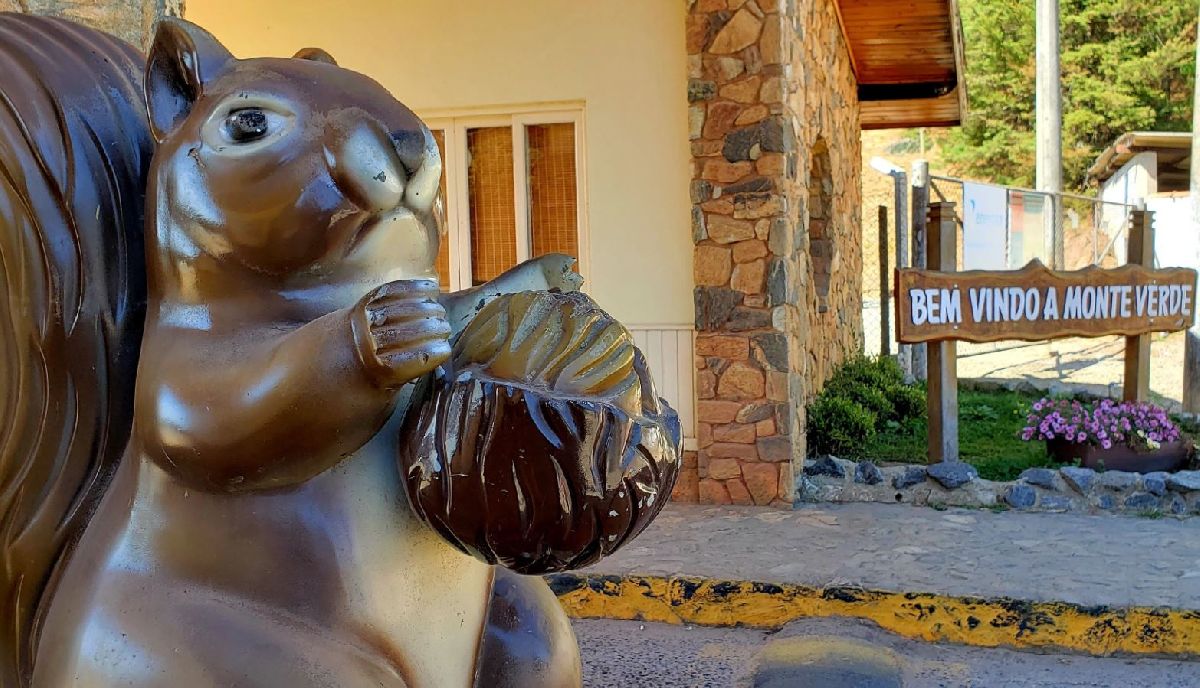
pixel 1036 303
pixel 942 306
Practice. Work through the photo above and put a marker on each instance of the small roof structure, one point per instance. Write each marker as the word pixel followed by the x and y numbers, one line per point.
pixel 1174 153
pixel 908 59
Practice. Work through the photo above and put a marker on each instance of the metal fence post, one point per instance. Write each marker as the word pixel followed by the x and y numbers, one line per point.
pixel 920 209
pixel 904 351
pixel 885 334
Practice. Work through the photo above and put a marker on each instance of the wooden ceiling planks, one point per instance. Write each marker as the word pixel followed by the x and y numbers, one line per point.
pixel 943 111
pixel 905 43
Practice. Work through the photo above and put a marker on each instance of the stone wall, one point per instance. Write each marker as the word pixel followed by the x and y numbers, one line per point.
pixel 1069 488
pixel 132 20
pixel 775 192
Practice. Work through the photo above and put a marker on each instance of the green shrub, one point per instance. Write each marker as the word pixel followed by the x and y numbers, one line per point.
pixel 863 391
pixel 872 398
pixel 908 401
pixel 881 372
pixel 837 425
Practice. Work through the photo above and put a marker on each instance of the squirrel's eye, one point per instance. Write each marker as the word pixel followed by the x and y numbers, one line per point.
pixel 246 125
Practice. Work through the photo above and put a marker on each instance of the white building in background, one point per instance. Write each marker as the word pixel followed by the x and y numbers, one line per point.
pixel 1152 167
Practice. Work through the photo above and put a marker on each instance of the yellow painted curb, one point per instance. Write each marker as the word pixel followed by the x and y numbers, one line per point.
pixel 997 622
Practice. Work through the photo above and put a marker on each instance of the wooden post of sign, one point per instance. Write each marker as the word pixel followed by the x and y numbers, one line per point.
pixel 1137 349
pixel 920 241
pixel 942 356
pixel 885 326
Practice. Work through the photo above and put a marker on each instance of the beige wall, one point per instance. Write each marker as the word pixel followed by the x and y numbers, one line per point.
pixel 624 59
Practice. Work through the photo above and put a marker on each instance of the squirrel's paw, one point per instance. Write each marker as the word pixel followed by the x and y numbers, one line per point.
pixel 401 331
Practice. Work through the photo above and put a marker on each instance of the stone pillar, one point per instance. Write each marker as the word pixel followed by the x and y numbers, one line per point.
pixel 131 20
pixel 761 101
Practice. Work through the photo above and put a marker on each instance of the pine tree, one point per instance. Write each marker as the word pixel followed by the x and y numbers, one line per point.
pixel 1127 65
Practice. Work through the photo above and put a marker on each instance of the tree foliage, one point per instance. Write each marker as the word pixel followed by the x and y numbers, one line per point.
pixel 1127 65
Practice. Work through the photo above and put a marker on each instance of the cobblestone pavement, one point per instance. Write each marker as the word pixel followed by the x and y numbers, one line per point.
pixel 1080 559
pixel 631 654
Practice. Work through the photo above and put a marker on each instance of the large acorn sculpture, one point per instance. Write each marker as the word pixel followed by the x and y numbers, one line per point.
pixel 541 444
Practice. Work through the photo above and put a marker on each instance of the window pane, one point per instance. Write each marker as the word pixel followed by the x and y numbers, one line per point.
pixel 553 203
pixel 492 206
pixel 443 257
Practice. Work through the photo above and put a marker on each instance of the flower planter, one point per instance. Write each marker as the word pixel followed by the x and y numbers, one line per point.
pixel 1171 456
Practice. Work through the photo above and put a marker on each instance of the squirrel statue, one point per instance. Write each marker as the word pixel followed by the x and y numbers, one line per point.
pixel 248 441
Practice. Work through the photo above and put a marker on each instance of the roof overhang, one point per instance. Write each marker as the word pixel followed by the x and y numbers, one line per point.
pixel 908 60
pixel 1174 149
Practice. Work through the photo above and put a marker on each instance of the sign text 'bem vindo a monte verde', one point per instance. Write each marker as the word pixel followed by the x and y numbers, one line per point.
pixel 1036 303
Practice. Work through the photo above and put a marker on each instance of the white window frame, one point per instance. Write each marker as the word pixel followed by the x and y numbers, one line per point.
pixel 454 126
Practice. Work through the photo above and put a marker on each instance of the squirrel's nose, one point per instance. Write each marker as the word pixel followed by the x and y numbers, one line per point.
pixel 419 154
pixel 368 170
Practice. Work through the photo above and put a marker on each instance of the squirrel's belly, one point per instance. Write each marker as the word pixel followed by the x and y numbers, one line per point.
pixel 335 580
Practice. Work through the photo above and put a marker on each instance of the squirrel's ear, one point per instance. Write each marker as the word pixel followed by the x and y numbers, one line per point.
pixel 316 55
pixel 182 59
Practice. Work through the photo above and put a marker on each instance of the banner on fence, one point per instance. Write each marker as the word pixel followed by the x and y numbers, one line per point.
pixel 1036 303
pixel 985 227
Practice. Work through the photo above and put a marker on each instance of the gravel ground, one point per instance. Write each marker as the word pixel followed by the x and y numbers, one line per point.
pixel 840 653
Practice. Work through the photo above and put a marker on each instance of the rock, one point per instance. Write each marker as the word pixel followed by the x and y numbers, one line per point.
pixel 1141 500
pixel 743 319
pixel 824 466
pixel 1054 503
pixel 1079 478
pixel 1184 481
pixel 1042 477
pixel 912 475
pixel 777 280
pixel 753 413
pixel 740 32
pixel 752 185
pixel 714 306
pixel 952 474
pixel 867 473
pixel 1020 496
pixel 712 266
pixel 726 230
pixel 1107 502
pixel 762 480
pixel 729 347
pixel 1117 480
pixel 807 490
pixel 776 449
pixel 741 381
pixel 1178 505
pixel 1155 483
pixel 772 135
pixel 701 90
pixel 748 278
pixel 724 469
pixel 774 348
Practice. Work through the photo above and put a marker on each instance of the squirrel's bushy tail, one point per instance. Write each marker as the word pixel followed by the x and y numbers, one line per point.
pixel 74 152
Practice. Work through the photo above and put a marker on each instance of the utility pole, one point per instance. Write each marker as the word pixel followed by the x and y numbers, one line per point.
pixel 1049 119
pixel 1191 346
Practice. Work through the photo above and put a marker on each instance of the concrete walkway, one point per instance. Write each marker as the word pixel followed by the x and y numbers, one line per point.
pixel 1113 561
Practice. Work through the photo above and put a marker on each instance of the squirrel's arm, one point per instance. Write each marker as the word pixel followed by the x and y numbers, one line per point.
pixel 261 409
